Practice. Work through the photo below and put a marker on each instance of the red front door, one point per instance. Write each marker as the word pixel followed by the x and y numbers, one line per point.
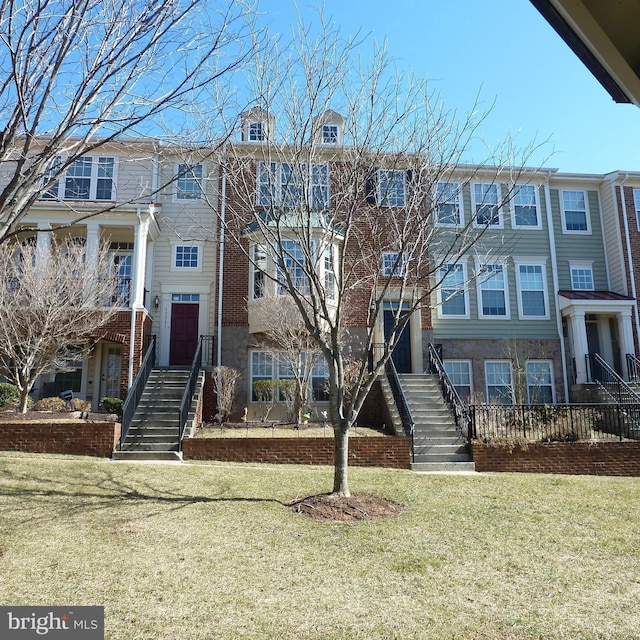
pixel 184 333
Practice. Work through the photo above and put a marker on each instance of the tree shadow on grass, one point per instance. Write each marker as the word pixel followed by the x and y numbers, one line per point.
pixel 38 497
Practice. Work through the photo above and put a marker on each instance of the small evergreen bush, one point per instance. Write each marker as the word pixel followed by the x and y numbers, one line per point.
pixel 9 395
pixel 112 405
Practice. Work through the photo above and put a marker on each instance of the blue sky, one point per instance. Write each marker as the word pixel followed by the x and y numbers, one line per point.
pixel 506 51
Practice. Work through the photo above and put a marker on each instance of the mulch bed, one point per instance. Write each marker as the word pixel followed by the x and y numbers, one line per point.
pixel 52 416
pixel 325 507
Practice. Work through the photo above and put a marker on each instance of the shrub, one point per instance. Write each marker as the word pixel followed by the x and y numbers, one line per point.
pixel 112 405
pixel 76 404
pixel 50 404
pixel 9 395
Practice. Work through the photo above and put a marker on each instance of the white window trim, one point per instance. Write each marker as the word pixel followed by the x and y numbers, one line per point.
pixel 536 227
pixel 60 184
pixel 459 198
pixel 174 251
pixel 379 188
pixel 537 262
pixel 526 375
pixel 401 268
pixel 278 186
pixel 566 231
pixel 636 204
pixel 479 281
pixel 176 192
pixel 474 205
pixel 465 291
pixel 469 364
pixel 338 141
pixel 587 265
pixel 486 381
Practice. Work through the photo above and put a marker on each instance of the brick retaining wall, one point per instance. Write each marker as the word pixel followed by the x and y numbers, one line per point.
pixel 80 438
pixel 574 458
pixel 363 452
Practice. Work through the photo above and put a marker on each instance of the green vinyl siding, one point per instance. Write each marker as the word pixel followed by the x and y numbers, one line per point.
pixel 578 246
pixel 505 244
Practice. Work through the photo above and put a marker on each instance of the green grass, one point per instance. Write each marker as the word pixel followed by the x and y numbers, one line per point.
pixel 200 551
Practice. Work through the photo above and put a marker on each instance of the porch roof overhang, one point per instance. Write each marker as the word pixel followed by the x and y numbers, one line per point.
pixel 593 301
pixel 110 336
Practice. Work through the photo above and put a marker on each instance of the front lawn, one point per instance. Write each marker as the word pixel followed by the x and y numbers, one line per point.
pixel 202 551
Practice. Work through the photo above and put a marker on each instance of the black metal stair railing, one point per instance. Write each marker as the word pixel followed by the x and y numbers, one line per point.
pixel 136 390
pixel 600 372
pixel 203 355
pixel 463 416
pixel 633 367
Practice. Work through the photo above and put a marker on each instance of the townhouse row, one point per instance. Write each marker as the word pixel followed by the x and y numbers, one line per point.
pixel 550 279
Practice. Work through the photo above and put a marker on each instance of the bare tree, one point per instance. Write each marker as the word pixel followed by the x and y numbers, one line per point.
pixel 224 385
pixel 290 343
pixel 78 74
pixel 50 317
pixel 340 219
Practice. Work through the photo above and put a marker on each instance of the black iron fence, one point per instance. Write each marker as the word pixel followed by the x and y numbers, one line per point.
pixel 555 423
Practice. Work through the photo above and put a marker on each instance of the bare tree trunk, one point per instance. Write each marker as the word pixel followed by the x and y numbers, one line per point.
pixel 24 400
pixel 341 461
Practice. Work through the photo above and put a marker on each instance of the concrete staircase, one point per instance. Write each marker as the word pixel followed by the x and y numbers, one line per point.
pixel 437 444
pixel 153 434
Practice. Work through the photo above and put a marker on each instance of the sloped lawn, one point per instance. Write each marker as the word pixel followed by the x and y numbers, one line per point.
pixel 200 551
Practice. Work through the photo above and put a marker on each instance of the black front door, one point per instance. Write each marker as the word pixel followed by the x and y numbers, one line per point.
pixel 402 353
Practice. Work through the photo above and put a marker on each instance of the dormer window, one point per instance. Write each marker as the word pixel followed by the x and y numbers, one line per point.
pixel 256 132
pixel 330 134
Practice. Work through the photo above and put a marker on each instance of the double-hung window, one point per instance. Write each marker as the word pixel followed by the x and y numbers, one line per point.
pixel 448 209
pixel 292 263
pixel 533 290
pixel 320 381
pixel 330 288
pixel 636 205
pixel 459 372
pixel 189 182
pixel 525 208
pixel 539 382
pixel 87 178
pixel 256 132
pixel 452 291
pixel 492 291
pixel 581 276
pixel 261 369
pixel 258 272
pixel 575 215
pixel 394 264
pixel 391 188
pixel 485 204
pixel 498 381
pixel 288 185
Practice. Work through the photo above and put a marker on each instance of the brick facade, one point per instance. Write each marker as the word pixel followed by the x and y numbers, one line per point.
pixel 363 452
pixel 70 437
pixel 572 458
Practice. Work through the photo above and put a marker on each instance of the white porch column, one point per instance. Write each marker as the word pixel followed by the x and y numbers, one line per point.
pixel 92 248
pixel 43 244
pixel 625 332
pixel 139 262
pixel 580 345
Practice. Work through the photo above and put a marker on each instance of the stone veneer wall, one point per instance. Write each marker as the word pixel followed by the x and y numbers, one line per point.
pixel 65 437
pixel 572 458
pixel 394 452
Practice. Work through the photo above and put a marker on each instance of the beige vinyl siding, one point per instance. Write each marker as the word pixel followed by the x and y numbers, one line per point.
pixel 579 246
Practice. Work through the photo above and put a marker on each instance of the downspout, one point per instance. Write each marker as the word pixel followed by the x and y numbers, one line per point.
pixel 628 248
pixel 556 286
pixel 223 197
pixel 134 312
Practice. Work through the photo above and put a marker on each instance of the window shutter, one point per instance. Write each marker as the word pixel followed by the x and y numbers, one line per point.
pixel 370 187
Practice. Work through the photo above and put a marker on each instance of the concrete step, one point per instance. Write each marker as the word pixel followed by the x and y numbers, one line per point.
pixel 146 456
pixel 443 467
pixel 150 446
pixel 442 457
